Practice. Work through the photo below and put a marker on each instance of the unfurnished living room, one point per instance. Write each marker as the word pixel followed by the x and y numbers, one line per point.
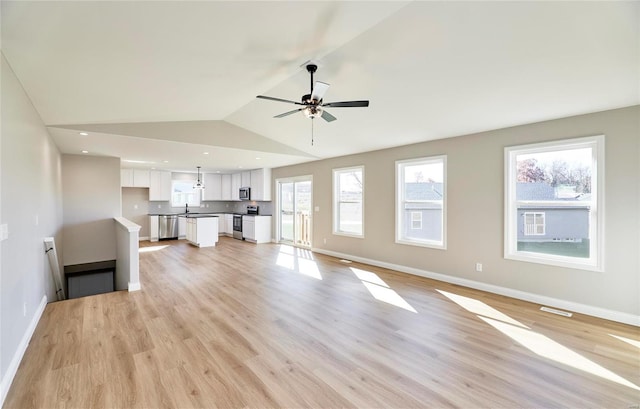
pixel 293 204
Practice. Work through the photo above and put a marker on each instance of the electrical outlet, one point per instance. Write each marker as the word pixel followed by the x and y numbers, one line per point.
pixel 135 206
pixel 325 241
pixel 479 267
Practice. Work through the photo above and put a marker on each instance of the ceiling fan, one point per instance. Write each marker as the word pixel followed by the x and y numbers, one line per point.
pixel 312 104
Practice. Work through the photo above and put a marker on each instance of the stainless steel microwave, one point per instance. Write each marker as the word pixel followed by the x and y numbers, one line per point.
pixel 245 193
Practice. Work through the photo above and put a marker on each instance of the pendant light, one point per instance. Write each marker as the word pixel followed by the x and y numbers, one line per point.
pixel 198 185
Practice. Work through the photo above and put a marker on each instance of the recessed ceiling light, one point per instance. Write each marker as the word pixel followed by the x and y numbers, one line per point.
pixel 258 158
pixel 239 167
pixel 217 171
pixel 165 161
pixel 84 134
pixel 85 151
pixel 205 153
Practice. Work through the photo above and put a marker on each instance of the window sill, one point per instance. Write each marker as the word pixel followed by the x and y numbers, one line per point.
pixel 553 261
pixel 431 245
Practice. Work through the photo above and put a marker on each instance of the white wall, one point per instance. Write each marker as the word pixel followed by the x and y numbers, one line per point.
pixel 135 207
pixel 475 211
pixel 91 199
pixel 31 205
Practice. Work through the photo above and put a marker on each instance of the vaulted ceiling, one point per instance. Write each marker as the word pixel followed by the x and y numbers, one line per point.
pixel 160 83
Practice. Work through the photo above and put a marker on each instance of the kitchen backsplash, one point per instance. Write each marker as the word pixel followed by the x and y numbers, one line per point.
pixel 266 208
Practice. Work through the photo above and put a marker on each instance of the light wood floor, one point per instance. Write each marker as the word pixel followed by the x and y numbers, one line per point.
pixel 241 325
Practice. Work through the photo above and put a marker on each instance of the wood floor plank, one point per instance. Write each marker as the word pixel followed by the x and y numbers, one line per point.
pixel 242 326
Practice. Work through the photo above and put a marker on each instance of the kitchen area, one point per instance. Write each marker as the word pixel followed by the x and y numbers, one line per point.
pixel 172 205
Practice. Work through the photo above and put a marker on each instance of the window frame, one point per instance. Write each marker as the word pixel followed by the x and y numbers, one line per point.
pixel 336 201
pixel 400 167
pixel 595 262
pixel 198 193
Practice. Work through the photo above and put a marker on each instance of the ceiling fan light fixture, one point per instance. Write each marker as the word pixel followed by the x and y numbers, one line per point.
pixel 312 111
pixel 198 185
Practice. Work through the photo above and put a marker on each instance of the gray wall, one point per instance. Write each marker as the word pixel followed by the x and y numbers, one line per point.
pixel 475 220
pixel 135 207
pixel 31 206
pixel 91 199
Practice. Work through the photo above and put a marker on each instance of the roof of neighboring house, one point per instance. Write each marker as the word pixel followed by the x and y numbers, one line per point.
pixel 423 191
pixel 544 191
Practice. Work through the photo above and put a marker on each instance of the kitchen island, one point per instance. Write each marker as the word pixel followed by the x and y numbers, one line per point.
pixel 202 229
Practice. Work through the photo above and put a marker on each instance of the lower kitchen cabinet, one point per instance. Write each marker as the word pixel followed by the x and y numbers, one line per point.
pixel 256 229
pixel 202 231
pixel 153 228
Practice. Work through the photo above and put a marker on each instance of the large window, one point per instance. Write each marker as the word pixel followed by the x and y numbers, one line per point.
pixel 183 193
pixel 553 202
pixel 421 202
pixel 348 201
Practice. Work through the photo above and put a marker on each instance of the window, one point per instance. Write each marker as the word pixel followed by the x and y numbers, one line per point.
pixel 421 202
pixel 182 193
pixel 553 203
pixel 416 220
pixel 348 202
pixel 533 224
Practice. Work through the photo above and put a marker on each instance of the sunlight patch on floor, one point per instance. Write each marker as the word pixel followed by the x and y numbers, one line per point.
pixel 299 261
pixel 480 308
pixel 548 348
pixel 151 248
pixel 627 340
pixel 380 290
pixel 535 342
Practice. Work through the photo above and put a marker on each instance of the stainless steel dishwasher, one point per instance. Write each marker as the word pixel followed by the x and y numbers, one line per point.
pixel 168 227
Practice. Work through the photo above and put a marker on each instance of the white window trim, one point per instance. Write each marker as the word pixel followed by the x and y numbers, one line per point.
pixel 596 230
pixel 198 194
pixel 400 195
pixel 336 222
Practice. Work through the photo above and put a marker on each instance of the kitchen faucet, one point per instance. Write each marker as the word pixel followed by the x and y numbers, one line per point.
pixel 186 207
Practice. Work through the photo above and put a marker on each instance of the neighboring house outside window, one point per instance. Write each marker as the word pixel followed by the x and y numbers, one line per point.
pixel 553 203
pixel 421 202
pixel 348 202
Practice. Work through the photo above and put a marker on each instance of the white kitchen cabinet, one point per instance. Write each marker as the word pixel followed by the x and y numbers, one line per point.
pixel 202 231
pixel 229 224
pixel 134 178
pixel 126 177
pixel 261 184
pixel 248 228
pixel 153 228
pixel 222 224
pixel 236 178
pixel 159 186
pixel 245 179
pixel 256 229
pixel 213 187
pixel 182 227
pixel 226 187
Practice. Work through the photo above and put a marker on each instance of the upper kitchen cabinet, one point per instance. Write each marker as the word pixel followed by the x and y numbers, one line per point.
pixel 245 179
pixel 236 179
pixel 261 185
pixel 134 178
pixel 213 187
pixel 226 187
pixel 159 186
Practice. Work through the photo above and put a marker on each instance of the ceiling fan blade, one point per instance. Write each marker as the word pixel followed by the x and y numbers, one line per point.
pixel 279 99
pixel 328 117
pixel 346 104
pixel 288 113
pixel 319 89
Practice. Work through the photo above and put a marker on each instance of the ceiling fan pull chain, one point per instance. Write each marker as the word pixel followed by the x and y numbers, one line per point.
pixel 312 131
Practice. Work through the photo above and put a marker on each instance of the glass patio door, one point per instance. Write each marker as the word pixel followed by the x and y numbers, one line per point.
pixel 295 211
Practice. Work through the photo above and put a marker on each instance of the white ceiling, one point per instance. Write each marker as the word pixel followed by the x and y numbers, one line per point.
pixel 167 81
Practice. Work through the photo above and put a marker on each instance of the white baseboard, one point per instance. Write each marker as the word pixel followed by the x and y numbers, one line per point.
pixel 594 311
pixel 145 238
pixel 7 379
pixel 134 287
